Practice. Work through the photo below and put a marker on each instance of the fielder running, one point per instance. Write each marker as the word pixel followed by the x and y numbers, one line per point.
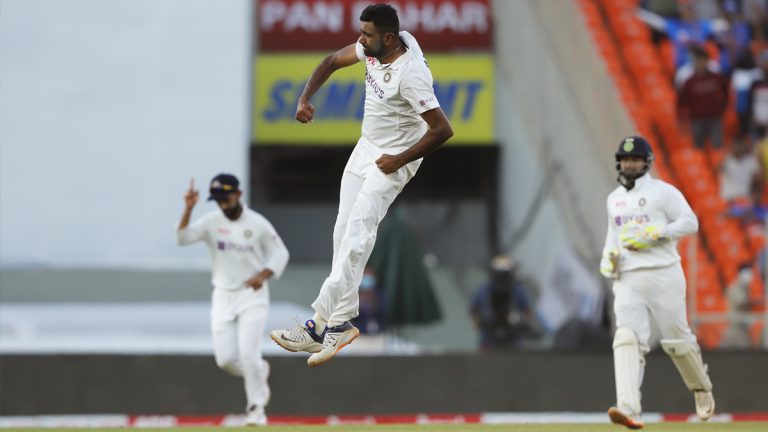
pixel 403 122
pixel 245 251
pixel 646 217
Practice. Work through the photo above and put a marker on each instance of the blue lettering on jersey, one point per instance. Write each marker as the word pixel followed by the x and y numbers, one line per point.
pixel 638 219
pixel 232 246
pixel 375 86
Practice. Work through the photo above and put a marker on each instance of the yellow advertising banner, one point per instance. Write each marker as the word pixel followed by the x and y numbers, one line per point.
pixel 463 84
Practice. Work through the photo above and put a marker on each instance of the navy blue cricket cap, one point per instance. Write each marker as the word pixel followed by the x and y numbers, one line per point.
pixel 222 185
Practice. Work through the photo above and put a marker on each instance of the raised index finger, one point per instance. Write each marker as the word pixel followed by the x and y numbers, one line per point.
pixel 192 184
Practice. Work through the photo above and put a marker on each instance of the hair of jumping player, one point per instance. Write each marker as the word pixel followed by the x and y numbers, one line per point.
pixel 383 16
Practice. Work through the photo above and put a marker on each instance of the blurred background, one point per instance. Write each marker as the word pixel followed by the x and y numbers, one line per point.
pixel 486 265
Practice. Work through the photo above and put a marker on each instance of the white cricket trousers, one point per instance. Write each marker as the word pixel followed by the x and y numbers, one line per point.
pixel 238 319
pixel 364 198
pixel 658 293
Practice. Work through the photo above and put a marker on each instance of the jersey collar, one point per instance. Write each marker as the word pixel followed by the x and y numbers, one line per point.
pixel 643 180
pixel 399 62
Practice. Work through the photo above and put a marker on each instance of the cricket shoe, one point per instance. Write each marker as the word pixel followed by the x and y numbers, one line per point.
pixel 705 404
pixel 300 338
pixel 334 339
pixel 619 417
pixel 255 416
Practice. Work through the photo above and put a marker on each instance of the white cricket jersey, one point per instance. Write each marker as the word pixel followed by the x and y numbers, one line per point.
pixel 396 95
pixel 239 249
pixel 651 203
pixel 737 176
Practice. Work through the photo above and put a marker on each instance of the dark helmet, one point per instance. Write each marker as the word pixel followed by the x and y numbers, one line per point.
pixel 633 146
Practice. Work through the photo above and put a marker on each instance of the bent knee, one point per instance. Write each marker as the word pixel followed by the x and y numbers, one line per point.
pixel 624 336
pixel 229 364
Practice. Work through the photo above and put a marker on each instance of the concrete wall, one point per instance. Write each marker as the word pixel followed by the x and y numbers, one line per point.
pixel 559 117
pixel 563 381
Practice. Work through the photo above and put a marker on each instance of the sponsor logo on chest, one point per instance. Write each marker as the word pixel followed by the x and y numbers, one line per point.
pixel 225 246
pixel 374 84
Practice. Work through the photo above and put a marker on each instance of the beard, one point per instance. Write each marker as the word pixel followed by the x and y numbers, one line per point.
pixel 234 212
pixel 631 175
pixel 634 174
pixel 370 52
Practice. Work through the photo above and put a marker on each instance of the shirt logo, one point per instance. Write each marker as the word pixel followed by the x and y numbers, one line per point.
pixel 638 219
pixel 641 203
pixel 375 86
pixel 223 231
pixel 629 144
pixel 426 101
pixel 387 77
pixel 248 233
pixel 231 246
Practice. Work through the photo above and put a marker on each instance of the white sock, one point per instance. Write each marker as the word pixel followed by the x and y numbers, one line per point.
pixel 320 323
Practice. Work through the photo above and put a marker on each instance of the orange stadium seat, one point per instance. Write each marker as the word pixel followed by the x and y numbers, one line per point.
pixel 616 6
pixel 756 334
pixel 666 54
pixel 756 239
pixel 710 335
pixel 757 291
pixel 643 75
pixel 709 299
pixel 591 14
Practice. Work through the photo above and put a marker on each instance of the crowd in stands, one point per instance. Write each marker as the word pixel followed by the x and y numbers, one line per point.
pixel 694 77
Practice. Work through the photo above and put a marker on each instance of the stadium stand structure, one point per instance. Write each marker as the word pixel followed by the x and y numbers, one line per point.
pixel 643 75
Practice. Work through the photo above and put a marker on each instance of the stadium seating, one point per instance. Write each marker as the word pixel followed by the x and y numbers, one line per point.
pixel 643 75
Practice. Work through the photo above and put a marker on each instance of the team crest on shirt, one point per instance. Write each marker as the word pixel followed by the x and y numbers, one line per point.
pixel 387 77
pixel 641 203
pixel 248 233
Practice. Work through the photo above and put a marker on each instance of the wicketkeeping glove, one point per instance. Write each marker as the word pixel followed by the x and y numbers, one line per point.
pixel 609 264
pixel 636 238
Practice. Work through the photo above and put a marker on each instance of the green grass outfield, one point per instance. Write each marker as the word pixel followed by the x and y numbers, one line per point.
pixel 534 427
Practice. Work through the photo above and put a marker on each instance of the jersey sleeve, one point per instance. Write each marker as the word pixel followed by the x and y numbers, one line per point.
pixel 416 88
pixel 275 252
pixel 682 219
pixel 360 51
pixel 194 232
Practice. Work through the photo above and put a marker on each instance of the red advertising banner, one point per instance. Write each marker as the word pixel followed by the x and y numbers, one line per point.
pixel 307 25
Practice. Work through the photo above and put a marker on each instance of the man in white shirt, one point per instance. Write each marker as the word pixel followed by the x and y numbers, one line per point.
pixel 403 122
pixel 739 173
pixel 646 217
pixel 245 252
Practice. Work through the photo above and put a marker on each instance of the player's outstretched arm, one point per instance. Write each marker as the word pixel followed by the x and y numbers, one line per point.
pixel 190 199
pixel 344 57
pixel 440 131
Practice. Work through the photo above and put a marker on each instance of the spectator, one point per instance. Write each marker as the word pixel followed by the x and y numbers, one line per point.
pixel 751 213
pixel 702 101
pixel 684 32
pixel 755 10
pixel 745 73
pixel 734 38
pixel 737 296
pixel 739 172
pixel 500 307
pixel 761 152
pixel 686 70
pixel 758 98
